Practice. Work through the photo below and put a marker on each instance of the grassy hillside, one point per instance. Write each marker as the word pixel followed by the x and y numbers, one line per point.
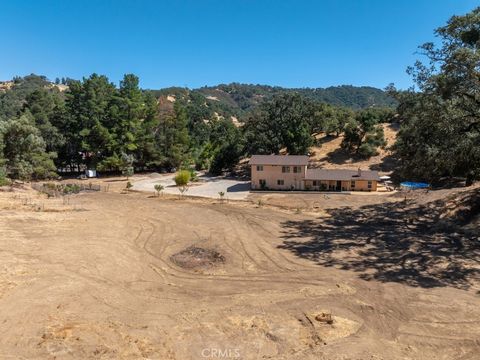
pixel 329 153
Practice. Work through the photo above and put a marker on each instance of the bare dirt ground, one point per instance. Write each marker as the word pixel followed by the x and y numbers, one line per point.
pixel 94 278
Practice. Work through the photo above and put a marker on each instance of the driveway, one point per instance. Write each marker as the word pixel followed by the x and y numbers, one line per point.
pixel 207 186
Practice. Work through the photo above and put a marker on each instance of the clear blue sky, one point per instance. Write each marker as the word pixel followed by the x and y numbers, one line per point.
pixel 193 43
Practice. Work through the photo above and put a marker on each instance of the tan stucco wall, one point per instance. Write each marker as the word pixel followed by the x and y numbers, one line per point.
pixel 272 173
pixel 360 185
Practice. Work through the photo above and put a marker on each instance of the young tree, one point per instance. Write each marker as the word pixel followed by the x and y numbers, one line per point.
pixel 158 189
pixel 222 195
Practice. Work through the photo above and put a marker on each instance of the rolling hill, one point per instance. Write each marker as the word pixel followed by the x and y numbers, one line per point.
pixel 238 99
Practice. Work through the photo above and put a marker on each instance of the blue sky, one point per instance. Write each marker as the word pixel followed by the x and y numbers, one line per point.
pixel 205 42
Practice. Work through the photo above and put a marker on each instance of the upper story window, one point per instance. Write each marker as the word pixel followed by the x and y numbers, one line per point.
pixel 259 167
pixel 297 169
pixel 285 169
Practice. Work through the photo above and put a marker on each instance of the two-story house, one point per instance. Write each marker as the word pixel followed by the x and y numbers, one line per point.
pixel 291 172
pixel 278 172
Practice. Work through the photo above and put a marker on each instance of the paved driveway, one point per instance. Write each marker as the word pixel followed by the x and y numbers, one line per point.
pixel 207 186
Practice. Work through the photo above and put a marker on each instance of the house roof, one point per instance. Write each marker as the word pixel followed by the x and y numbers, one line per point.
pixel 294 160
pixel 341 174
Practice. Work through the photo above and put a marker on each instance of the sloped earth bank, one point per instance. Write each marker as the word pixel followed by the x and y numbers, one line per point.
pixel 97 281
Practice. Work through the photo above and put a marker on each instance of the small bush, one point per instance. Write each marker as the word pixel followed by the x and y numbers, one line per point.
pixel 3 177
pixel 193 175
pixel 182 178
pixel 4 182
pixel 366 150
pixel 71 189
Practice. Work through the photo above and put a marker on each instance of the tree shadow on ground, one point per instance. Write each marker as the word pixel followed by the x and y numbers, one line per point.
pixel 389 163
pixel 397 242
pixel 340 156
pixel 239 187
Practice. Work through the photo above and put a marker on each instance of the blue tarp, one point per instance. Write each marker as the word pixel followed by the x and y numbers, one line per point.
pixel 414 185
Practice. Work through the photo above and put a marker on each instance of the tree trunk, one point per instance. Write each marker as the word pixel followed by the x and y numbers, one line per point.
pixel 469 180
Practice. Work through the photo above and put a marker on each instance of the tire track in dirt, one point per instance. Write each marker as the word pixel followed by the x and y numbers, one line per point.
pixel 169 269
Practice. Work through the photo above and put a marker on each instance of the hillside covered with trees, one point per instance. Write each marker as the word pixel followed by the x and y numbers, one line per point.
pixel 71 125
pixel 239 99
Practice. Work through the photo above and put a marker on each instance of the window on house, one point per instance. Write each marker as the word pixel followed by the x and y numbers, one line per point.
pixel 352 184
pixel 297 169
pixel 316 183
pixel 259 167
pixel 280 182
pixel 369 184
pixel 285 169
pixel 262 182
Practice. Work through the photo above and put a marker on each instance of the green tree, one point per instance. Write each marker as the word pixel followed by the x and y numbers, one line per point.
pixel 12 102
pixel 46 106
pixel 363 134
pixel 283 122
pixel 92 114
pixel 330 119
pixel 131 105
pixel 148 155
pixel 24 150
pixel 440 132
pixel 227 146
pixel 172 137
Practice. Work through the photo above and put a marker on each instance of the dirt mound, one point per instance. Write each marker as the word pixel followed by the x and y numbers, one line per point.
pixel 195 257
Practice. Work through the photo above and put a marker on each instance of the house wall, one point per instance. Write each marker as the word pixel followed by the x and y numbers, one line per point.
pixel 272 173
pixel 330 185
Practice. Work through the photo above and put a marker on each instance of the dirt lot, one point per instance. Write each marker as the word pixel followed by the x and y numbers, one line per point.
pixel 94 277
